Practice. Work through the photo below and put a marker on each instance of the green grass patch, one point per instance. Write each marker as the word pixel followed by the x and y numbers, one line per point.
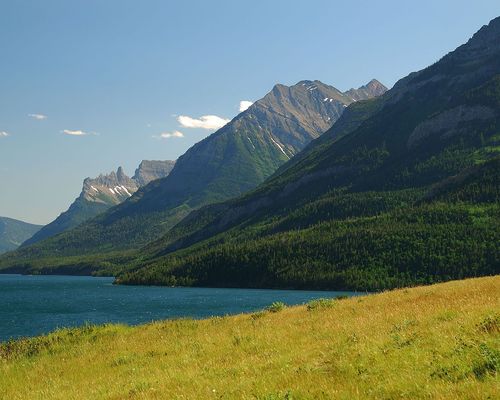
pixel 439 341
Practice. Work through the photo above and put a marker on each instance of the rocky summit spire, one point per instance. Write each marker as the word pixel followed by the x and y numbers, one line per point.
pixel 120 175
pixel 99 194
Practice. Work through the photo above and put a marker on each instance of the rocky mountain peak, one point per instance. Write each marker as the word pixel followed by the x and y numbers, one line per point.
pixel 372 89
pixel 101 193
pixel 112 188
pixel 115 187
pixel 306 92
pixel 301 112
pixel 120 175
pixel 376 88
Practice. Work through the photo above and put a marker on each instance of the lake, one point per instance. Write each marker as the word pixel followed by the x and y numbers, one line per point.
pixel 32 305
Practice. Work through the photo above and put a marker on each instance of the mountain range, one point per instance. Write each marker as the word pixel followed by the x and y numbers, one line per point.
pixel 228 163
pixel 100 194
pixel 404 189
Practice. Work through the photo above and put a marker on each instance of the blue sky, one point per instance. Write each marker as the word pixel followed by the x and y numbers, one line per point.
pixel 112 76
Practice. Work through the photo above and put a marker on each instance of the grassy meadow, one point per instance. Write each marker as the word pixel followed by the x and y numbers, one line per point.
pixel 432 342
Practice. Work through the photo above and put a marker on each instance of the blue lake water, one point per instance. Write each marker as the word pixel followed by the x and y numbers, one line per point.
pixel 32 305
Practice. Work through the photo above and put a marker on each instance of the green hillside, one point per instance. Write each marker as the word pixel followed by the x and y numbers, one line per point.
pixel 403 189
pixel 226 164
pixel 14 232
pixel 79 211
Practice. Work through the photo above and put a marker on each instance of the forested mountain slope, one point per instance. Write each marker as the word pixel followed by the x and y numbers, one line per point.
pixel 14 232
pixel 226 164
pixel 403 189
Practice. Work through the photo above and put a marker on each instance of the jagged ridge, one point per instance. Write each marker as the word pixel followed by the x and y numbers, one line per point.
pixel 101 193
pixel 228 163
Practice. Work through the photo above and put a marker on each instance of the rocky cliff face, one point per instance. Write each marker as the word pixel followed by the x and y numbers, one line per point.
pixel 151 170
pixel 111 189
pixel 116 187
pixel 99 194
pixel 294 115
pixel 372 89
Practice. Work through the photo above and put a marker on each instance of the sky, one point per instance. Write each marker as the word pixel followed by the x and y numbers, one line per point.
pixel 90 85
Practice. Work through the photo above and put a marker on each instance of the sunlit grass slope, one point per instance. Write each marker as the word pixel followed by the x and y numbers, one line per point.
pixel 439 342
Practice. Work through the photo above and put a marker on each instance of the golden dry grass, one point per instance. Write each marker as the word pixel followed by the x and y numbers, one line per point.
pixel 434 342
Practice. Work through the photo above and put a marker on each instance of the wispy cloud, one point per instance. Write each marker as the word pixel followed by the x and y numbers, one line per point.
pixel 244 104
pixel 168 135
pixel 77 132
pixel 4 134
pixel 39 117
pixel 210 122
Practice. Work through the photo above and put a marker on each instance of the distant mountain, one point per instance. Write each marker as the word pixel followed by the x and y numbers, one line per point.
pixel 151 170
pixel 14 232
pixel 251 147
pixel 110 189
pixel 404 189
pixel 228 163
pixel 101 193
pixel 372 89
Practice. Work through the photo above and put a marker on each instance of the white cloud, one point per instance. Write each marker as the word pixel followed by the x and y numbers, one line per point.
pixel 3 134
pixel 210 122
pixel 168 135
pixel 39 117
pixel 244 104
pixel 75 133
